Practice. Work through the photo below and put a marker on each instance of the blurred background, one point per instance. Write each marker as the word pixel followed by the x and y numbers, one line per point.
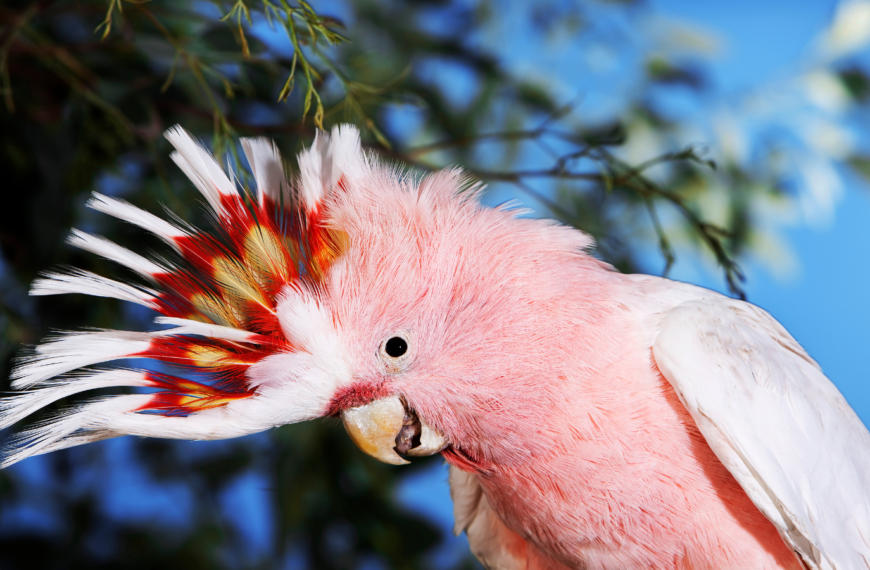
pixel 722 143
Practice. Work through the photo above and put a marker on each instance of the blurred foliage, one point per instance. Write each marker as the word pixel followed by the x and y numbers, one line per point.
pixel 89 86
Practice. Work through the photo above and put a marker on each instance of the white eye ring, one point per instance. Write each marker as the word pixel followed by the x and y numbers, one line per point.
pixel 395 351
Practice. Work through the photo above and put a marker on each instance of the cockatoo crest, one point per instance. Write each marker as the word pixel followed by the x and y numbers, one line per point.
pixel 221 296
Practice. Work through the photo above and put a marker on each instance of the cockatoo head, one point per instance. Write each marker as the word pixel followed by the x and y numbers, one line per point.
pixel 421 318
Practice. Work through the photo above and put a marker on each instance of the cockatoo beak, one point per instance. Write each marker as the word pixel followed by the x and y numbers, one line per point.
pixel 386 427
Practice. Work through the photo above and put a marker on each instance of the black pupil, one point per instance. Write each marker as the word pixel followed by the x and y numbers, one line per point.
pixel 396 347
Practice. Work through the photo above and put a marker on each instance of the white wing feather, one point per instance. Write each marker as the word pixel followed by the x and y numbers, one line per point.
pixel 491 542
pixel 776 422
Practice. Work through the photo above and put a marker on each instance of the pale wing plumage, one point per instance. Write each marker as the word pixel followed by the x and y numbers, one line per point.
pixel 495 546
pixel 776 422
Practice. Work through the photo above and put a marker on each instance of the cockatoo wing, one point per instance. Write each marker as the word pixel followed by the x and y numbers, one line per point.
pixel 777 424
pixel 495 545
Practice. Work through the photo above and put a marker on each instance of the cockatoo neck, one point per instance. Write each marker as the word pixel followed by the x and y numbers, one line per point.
pixel 524 401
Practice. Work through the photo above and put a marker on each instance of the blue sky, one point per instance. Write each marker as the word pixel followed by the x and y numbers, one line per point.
pixel 761 38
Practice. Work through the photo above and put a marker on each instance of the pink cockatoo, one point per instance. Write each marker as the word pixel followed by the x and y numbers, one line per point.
pixel 591 420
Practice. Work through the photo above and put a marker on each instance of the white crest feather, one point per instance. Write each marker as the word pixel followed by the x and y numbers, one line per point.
pixel 129 213
pixel 75 350
pixel 119 415
pixel 50 435
pixel 110 250
pixel 314 163
pixel 87 283
pixel 330 157
pixel 189 327
pixel 200 166
pixel 348 158
pixel 268 169
pixel 16 408
pixel 72 350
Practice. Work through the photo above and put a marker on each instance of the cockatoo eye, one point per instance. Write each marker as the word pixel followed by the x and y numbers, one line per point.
pixel 396 347
pixel 396 352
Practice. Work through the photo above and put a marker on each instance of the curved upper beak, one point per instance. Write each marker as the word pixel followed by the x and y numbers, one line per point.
pixel 387 427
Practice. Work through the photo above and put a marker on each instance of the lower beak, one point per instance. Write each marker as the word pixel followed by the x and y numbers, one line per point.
pixel 386 427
